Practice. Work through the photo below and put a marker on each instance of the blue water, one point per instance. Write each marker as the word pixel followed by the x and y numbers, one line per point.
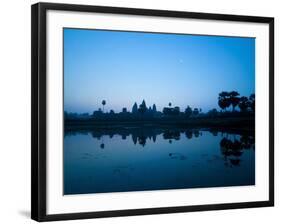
pixel 100 161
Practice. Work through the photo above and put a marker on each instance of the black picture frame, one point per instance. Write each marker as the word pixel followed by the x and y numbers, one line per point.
pixel 38 108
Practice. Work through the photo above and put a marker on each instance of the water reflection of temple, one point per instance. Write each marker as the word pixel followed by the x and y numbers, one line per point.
pixel 140 135
pixel 232 145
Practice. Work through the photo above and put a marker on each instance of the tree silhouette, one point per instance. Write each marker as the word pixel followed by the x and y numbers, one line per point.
pixel 222 104
pixel 234 99
pixel 252 102
pixel 243 104
pixel 224 101
pixel 103 103
pixel 170 104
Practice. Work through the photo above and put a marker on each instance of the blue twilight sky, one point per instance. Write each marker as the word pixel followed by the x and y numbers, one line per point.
pixel 127 67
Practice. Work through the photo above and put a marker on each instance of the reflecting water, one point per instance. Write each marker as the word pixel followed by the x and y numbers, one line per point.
pixel 137 159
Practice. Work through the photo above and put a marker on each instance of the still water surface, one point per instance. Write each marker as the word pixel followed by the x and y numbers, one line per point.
pixel 137 159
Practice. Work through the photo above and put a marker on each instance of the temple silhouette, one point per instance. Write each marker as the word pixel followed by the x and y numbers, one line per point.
pixel 228 116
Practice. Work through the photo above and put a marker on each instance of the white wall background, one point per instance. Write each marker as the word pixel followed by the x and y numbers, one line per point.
pixel 15 110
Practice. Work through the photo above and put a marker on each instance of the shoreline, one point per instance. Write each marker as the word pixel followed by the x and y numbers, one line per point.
pixel 240 123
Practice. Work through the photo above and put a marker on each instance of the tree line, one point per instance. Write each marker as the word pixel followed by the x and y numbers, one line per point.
pixel 233 99
pixel 226 100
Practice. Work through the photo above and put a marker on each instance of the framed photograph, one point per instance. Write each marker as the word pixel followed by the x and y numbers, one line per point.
pixel 139 111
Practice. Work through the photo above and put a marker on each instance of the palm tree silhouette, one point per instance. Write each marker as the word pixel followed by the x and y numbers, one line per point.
pixel 103 103
pixel 243 104
pixel 234 99
pixel 252 101
pixel 224 100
